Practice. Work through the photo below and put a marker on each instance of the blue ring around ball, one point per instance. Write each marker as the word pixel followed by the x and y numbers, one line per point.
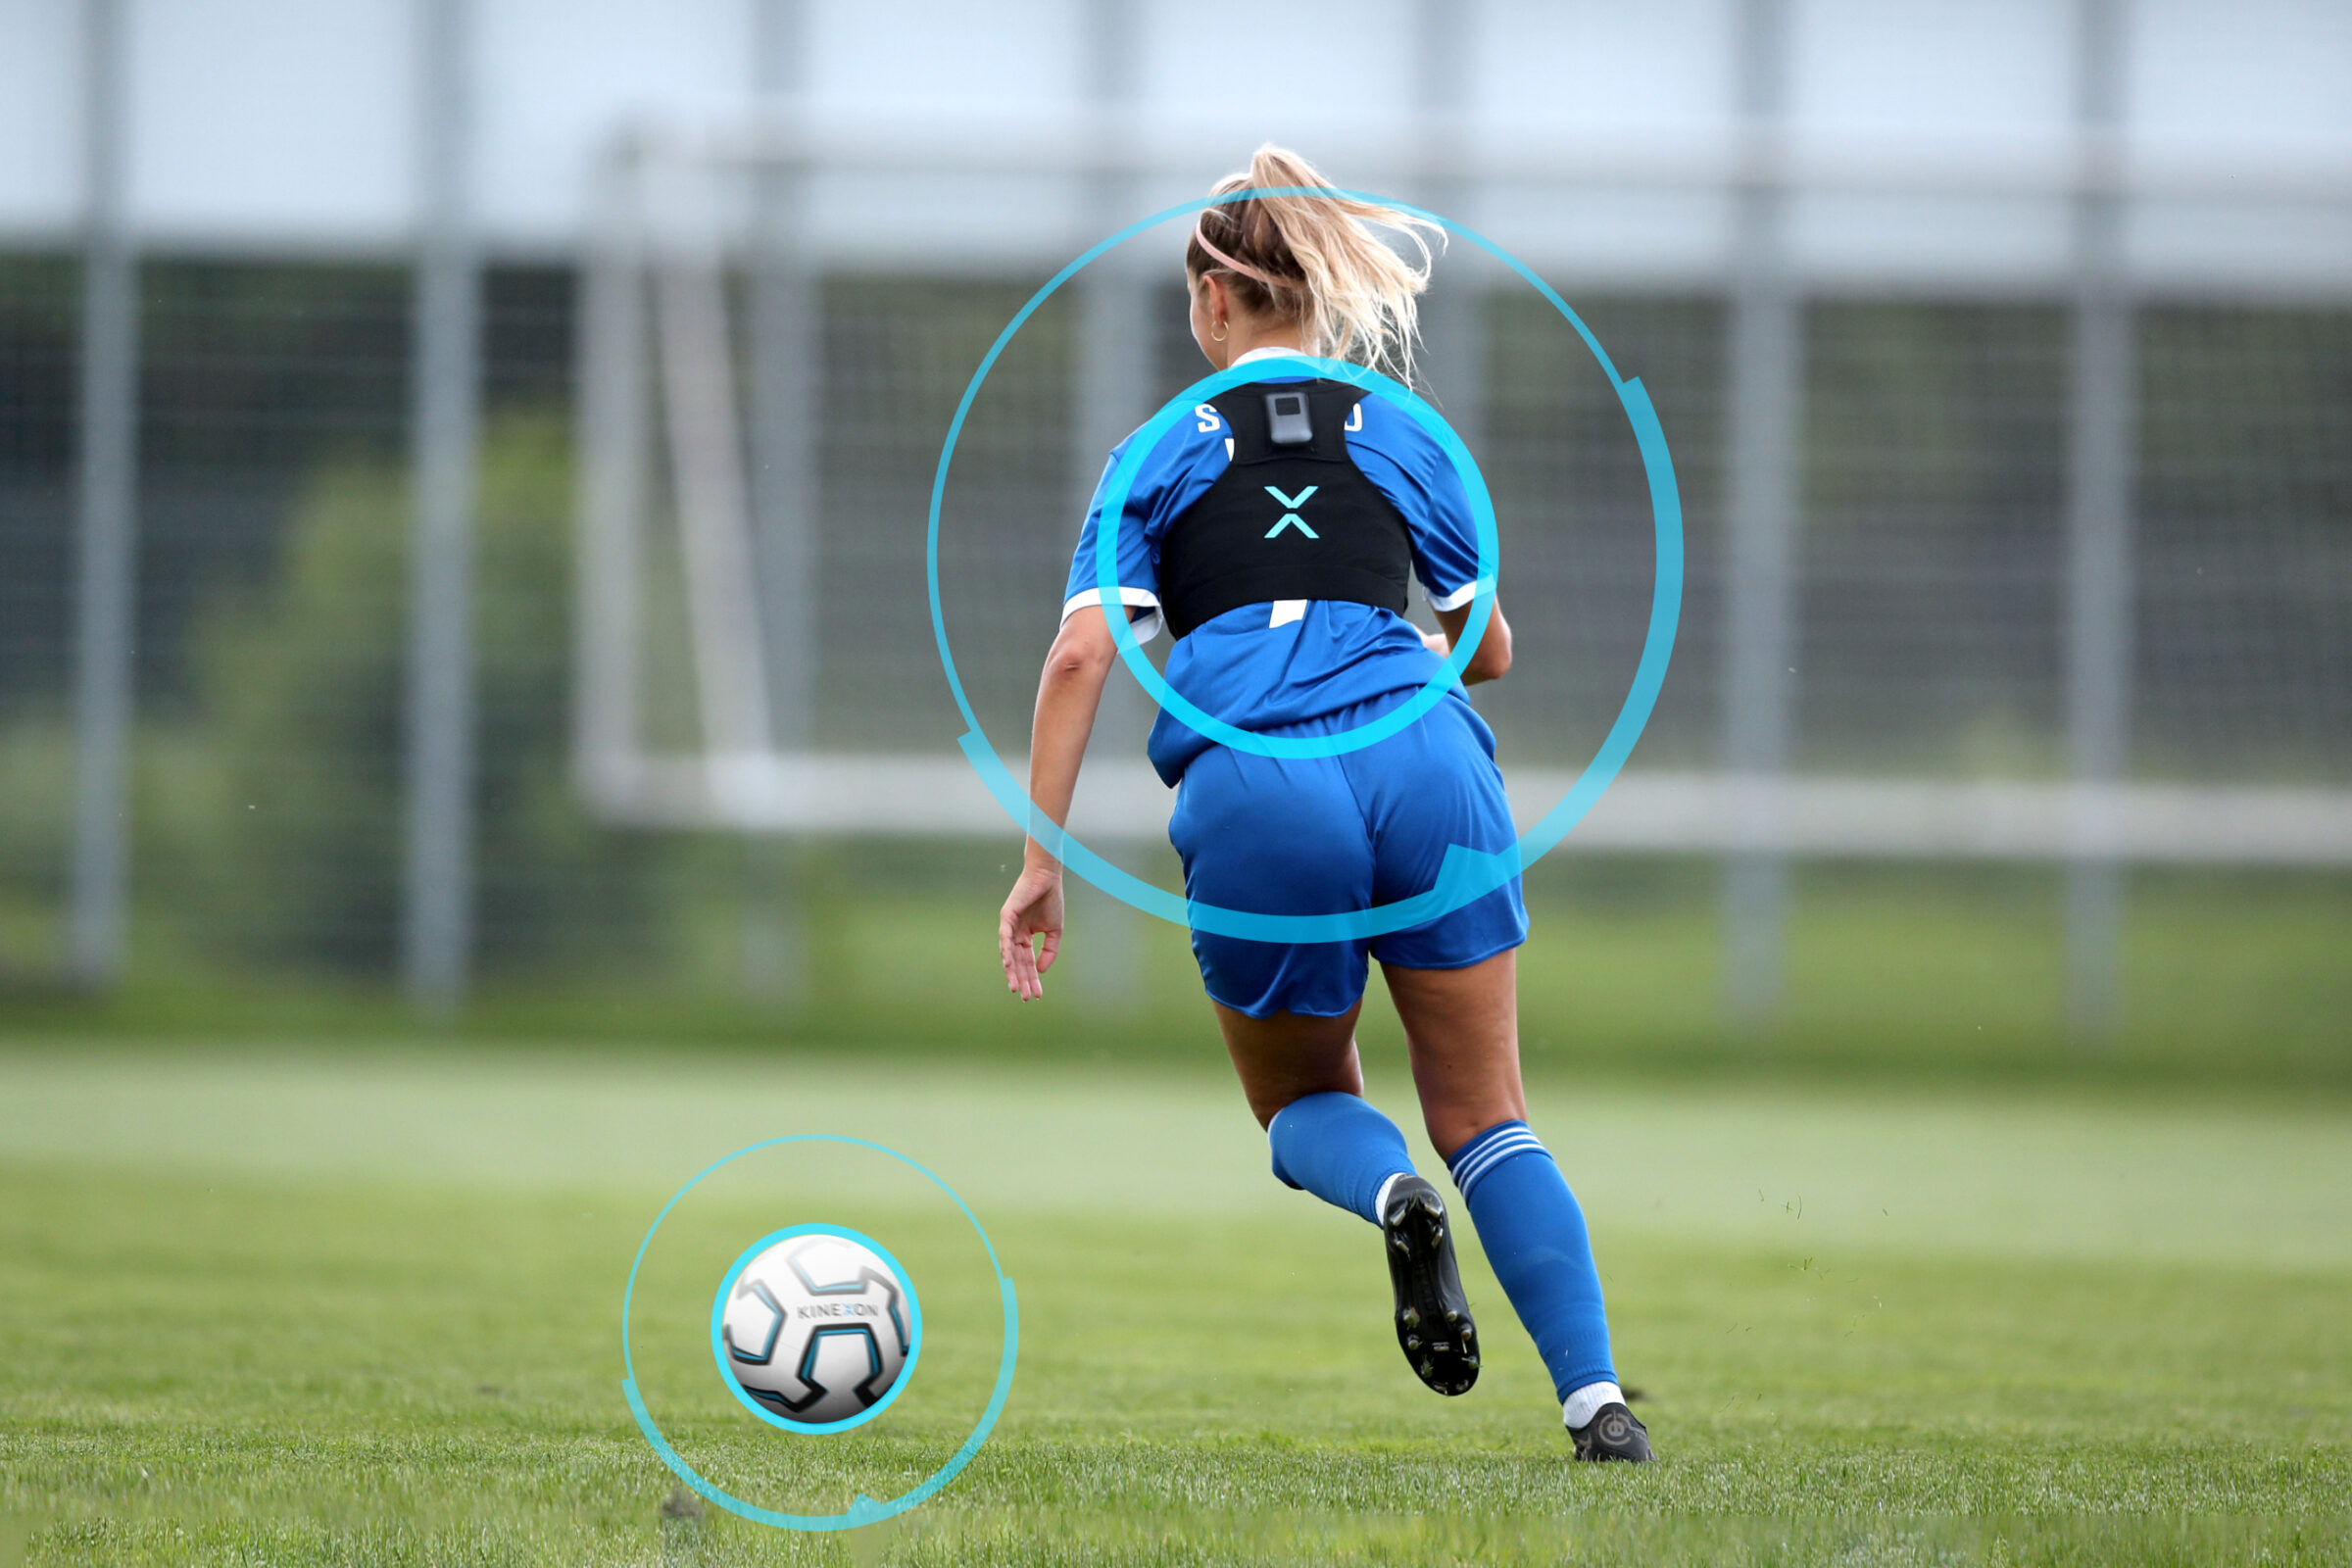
pixel 862 1510
pixel 1466 874
pixel 718 1344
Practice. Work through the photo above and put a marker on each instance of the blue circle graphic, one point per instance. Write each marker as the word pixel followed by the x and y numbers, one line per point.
pixel 1107 561
pixel 862 1510
pixel 719 1346
pixel 1465 874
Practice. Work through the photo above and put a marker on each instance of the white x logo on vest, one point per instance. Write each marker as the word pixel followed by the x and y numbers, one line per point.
pixel 1292 516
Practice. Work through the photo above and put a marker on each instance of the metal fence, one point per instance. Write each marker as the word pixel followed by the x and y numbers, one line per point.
pixel 274 616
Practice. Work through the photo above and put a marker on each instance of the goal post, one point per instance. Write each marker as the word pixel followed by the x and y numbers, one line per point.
pixel 703 366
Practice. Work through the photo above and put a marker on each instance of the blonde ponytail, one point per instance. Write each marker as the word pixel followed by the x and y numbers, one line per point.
pixel 1314 260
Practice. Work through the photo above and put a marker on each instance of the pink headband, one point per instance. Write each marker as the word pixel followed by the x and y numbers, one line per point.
pixel 1225 260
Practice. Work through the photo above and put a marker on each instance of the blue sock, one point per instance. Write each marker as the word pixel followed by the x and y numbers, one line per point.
pixel 1533 1235
pixel 1338 1148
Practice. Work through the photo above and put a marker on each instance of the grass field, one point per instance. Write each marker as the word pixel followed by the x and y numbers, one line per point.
pixel 363 1308
pixel 1904 972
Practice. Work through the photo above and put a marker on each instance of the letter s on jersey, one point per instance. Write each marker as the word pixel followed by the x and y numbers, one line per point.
pixel 1208 419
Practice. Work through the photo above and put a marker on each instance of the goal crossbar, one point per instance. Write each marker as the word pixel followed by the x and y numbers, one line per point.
pixel 656 324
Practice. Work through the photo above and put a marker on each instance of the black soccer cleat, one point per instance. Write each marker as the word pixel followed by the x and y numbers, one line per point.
pixel 1612 1434
pixel 1433 1315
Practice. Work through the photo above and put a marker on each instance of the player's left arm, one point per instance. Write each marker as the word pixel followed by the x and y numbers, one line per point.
pixel 1422 482
pixel 1490 659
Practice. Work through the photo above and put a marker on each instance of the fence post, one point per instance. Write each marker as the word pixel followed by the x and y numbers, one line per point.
pixel 1761 487
pixel 2100 536
pixel 1115 366
pixel 447 366
pixel 1453 317
pixel 107 585
pixel 787 364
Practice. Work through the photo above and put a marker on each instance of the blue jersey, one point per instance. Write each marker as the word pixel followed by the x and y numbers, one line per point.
pixel 1269 665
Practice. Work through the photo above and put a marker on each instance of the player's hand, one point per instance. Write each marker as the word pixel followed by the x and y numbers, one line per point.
pixel 1032 910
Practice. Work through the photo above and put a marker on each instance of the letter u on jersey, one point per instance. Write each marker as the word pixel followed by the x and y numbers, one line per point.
pixel 1290 516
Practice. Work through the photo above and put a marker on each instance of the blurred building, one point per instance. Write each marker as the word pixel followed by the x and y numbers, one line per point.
pixel 2006 351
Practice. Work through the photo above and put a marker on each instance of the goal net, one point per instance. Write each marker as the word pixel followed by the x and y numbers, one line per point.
pixel 764 403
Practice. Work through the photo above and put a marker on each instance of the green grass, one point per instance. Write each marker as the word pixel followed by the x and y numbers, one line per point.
pixel 361 1308
pixel 1893 975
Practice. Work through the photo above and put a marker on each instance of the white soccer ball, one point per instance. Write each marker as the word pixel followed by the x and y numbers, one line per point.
pixel 817 1329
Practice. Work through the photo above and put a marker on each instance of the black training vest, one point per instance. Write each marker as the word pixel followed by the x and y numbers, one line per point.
pixel 1286 519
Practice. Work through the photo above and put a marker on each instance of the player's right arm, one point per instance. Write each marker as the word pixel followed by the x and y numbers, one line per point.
pixel 1068 692
pixel 1029 927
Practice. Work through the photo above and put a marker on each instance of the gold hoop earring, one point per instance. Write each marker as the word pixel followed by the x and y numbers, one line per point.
pixel 1217 337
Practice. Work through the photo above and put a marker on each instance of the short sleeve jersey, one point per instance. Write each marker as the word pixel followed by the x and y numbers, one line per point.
pixel 1262 665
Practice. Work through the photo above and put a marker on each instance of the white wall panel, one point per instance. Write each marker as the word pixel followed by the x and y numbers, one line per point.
pixel 290 125
pixel 1281 59
pixel 1602 236
pixel 2265 248
pixel 921 53
pixel 1931 243
pixel 2244 70
pixel 268 121
pixel 1963 67
pixel 559 77
pixel 1662 65
pixel 40 116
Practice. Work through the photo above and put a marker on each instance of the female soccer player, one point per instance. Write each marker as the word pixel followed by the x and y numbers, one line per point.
pixel 1273 533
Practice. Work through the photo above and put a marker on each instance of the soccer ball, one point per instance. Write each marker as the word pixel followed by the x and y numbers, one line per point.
pixel 817 1329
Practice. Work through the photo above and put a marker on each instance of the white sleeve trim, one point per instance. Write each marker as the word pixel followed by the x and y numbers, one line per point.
pixel 1453 601
pixel 1144 626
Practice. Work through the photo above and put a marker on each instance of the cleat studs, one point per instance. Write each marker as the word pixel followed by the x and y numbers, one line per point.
pixel 1412 1341
pixel 1410 1317
pixel 1452 1317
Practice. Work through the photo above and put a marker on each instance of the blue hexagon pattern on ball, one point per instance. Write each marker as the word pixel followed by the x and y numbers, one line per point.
pixel 817 1329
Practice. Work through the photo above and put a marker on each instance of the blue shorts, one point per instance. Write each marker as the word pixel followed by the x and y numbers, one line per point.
pixel 1326 834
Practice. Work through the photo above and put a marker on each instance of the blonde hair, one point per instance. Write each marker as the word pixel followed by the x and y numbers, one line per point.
pixel 1314 260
